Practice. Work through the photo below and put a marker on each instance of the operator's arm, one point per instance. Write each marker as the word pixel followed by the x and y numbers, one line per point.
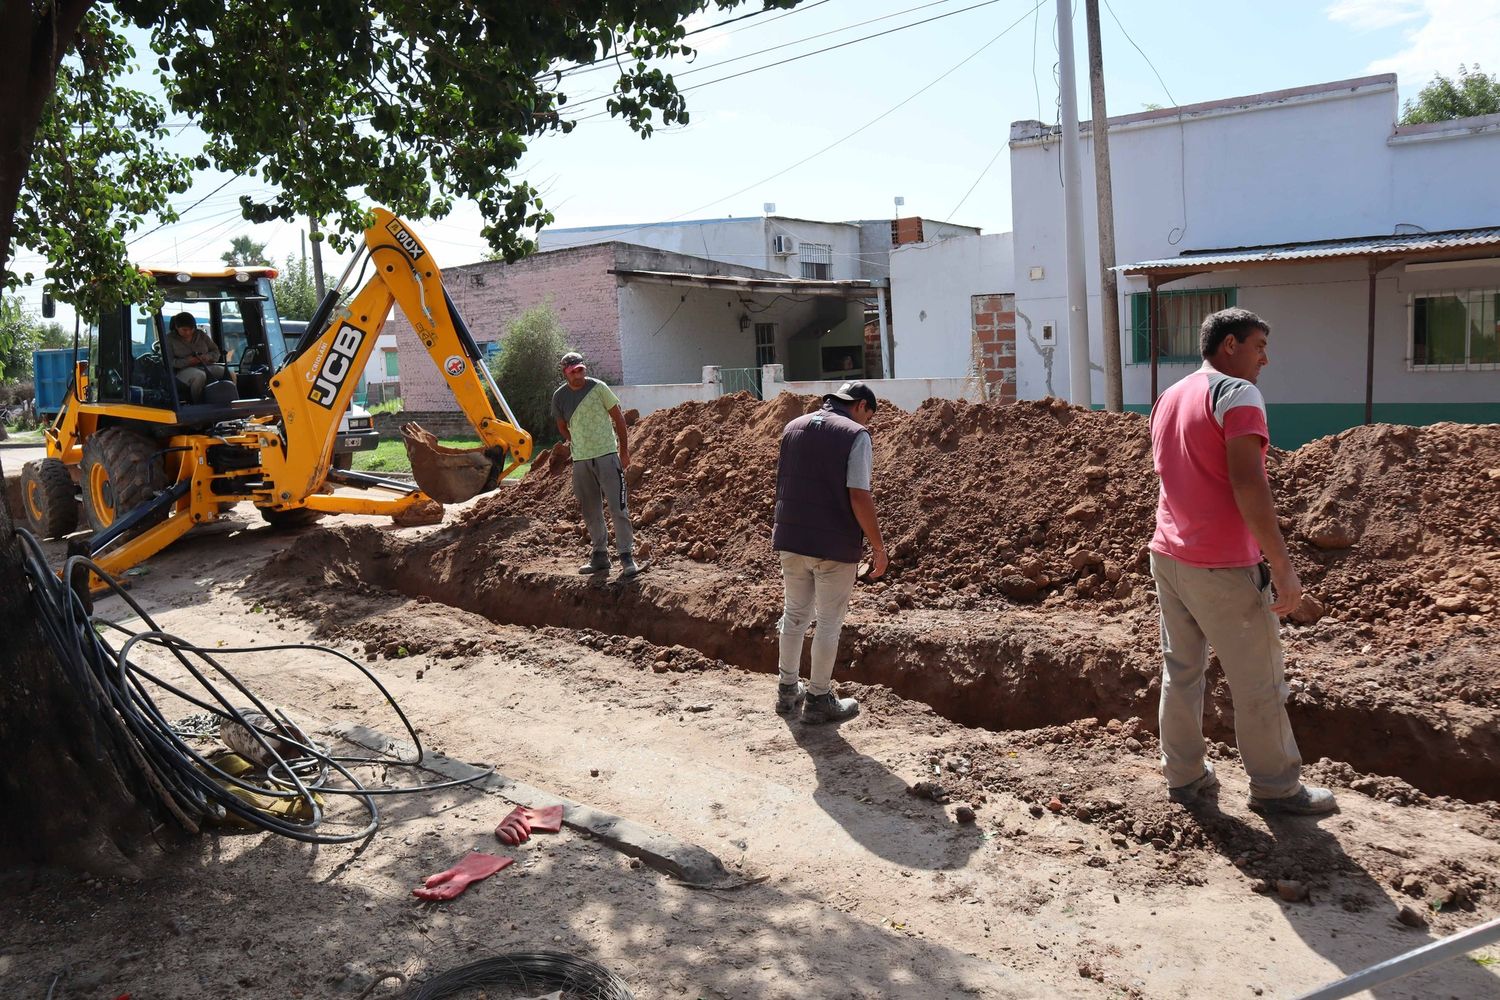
pixel 620 435
pixel 863 502
pixel 1252 494
pixel 562 428
pixel 205 351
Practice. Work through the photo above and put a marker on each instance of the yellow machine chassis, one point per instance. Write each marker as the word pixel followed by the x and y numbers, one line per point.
pixel 312 392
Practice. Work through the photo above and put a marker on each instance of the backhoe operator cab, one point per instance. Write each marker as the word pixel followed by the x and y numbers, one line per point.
pixel 134 359
pixel 147 453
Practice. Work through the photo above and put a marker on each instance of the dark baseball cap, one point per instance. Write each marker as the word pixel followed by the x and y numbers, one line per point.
pixel 572 360
pixel 852 392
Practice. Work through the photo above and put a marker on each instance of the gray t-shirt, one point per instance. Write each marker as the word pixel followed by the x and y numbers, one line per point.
pixel 861 462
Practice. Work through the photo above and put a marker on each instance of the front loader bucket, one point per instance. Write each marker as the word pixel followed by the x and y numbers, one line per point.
pixel 450 475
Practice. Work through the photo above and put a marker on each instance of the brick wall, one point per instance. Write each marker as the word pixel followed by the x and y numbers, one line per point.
pixel 443 423
pixel 994 332
pixel 874 349
pixel 491 294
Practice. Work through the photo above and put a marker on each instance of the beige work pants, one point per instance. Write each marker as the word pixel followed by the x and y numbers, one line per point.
pixel 1230 610
pixel 813 588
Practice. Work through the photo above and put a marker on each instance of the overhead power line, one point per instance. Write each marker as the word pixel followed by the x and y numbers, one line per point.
pixel 605 61
pixel 185 211
pixel 845 138
pixel 791 59
pixel 986 170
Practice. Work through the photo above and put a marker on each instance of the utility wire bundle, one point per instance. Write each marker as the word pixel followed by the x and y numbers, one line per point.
pixel 193 786
pixel 526 974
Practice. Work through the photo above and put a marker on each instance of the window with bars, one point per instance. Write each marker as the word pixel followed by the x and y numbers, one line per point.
pixel 817 260
pixel 1455 329
pixel 765 344
pixel 1179 316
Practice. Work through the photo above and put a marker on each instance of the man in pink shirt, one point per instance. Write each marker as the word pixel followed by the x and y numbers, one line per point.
pixel 1214 519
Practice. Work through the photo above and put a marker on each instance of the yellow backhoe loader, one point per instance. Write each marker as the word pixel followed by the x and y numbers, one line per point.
pixel 148 449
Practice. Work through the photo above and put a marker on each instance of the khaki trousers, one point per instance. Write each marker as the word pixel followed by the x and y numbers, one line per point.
pixel 814 587
pixel 1229 609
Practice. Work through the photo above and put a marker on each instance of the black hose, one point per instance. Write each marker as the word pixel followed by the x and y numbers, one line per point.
pixel 531 973
pixel 119 692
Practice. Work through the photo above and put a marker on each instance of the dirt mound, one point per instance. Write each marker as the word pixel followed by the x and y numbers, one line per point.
pixel 1042 502
pixel 979 503
pixel 1397 526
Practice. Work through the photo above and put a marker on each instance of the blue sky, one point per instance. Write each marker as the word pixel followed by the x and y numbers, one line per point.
pixel 932 149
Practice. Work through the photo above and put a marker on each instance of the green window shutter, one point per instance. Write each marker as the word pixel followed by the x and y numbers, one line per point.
pixel 392 364
pixel 1140 327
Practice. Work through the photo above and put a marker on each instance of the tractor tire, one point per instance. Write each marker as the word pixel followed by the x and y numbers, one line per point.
pixel 121 471
pixel 290 519
pixel 50 498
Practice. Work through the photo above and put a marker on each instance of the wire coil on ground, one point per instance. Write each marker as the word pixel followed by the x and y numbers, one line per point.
pixel 526 974
pixel 190 785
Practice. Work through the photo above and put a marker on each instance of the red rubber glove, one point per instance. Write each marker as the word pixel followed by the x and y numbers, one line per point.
pixel 522 821
pixel 474 867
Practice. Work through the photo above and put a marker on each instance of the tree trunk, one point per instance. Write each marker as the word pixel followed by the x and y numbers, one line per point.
pixel 72 797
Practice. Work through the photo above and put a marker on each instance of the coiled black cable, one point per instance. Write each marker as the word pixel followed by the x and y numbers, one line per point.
pixel 191 785
pixel 529 973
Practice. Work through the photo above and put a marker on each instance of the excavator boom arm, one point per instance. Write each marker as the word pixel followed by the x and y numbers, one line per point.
pixel 315 387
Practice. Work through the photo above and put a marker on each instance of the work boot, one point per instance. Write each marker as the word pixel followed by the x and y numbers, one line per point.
pixel 1306 802
pixel 789 697
pixel 598 564
pixel 628 566
pixel 1190 793
pixel 828 708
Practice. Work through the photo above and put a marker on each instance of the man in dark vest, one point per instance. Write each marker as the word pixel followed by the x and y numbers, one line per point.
pixel 824 512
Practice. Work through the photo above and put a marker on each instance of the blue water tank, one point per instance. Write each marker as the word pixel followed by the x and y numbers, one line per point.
pixel 52 371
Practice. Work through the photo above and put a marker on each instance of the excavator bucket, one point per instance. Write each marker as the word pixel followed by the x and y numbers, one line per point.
pixel 450 475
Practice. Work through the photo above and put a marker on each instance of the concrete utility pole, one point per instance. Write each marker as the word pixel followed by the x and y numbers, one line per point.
pixel 317 246
pixel 1109 282
pixel 1080 393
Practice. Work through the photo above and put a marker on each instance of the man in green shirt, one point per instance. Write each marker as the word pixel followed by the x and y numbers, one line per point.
pixel 589 419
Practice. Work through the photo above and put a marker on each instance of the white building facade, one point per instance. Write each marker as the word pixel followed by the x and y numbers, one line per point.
pixel 939 294
pixel 1282 203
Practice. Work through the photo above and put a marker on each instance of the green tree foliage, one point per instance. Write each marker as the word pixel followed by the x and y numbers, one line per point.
pixel 526 368
pixel 336 105
pixel 1444 99
pixel 96 170
pixel 296 296
pixel 21 333
pixel 245 252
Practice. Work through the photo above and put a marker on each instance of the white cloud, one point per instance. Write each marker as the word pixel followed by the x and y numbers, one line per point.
pixel 1371 15
pixel 1443 34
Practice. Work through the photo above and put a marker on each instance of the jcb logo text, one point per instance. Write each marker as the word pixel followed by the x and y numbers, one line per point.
pixel 337 365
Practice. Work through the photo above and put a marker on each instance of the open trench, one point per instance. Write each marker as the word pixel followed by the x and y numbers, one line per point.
pixel 1020 669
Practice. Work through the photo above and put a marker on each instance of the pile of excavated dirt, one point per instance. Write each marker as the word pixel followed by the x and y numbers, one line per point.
pixel 1394 528
pixel 1019 594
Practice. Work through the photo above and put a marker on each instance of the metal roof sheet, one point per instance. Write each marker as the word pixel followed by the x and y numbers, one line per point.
pixel 1356 246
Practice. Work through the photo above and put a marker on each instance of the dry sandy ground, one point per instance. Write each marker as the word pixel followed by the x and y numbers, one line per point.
pixel 869 891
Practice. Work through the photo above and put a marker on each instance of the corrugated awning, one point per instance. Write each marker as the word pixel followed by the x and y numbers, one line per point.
pixel 1453 244
pixel 797 286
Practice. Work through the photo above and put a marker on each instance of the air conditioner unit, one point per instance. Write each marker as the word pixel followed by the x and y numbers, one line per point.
pixel 783 246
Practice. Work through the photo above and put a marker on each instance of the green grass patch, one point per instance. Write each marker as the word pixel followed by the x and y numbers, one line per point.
pixel 15 436
pixel 390 456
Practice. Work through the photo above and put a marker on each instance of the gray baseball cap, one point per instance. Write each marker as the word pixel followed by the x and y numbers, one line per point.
pixel 852 392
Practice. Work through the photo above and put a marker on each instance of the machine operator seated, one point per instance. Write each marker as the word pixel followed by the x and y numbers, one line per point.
pixel 194 356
